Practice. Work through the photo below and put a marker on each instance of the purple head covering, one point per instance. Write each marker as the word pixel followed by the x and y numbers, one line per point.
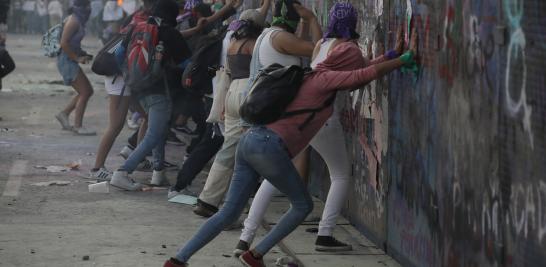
pixel 343 19
pixel 190 4
pixel 235 25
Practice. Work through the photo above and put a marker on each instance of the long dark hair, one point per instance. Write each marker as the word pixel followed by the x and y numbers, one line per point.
pixel 247 29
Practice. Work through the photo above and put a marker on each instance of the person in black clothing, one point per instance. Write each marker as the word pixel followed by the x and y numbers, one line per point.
pixel 156 102
pixel 194 105
pixel 6 62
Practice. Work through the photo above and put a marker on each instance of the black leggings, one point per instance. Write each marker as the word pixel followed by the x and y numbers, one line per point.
pixel 203 152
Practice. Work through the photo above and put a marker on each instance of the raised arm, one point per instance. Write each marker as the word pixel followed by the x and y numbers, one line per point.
pixel 264 9
pixel 228 10
pixel 348 80
pixel 192 31
pixel 288 43
pixel 339 80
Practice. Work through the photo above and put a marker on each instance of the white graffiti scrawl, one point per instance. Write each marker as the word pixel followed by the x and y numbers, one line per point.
pixel 516 49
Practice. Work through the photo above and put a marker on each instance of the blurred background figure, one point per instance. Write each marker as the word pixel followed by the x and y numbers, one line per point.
pixel 55 10
pixel 95 20
pixel 42 18
pixel 111 17
pixel 15 20
pixel 29 7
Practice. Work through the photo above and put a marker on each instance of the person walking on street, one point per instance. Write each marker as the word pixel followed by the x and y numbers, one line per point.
pixel 68 62
pixel 156 101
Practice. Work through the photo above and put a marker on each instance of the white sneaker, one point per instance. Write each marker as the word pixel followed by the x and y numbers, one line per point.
pixel 125 152
pixel 63 120
pixel 173 193
pixel 132 124
pixel 145 166
pixel 83 131
pixel 121 180
pixel 102 174
pixel 159 178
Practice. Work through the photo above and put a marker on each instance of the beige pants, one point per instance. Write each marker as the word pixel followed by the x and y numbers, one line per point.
pixel 220 173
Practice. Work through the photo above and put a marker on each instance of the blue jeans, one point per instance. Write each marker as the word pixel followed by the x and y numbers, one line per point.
pixel 158 108
pixel 260 152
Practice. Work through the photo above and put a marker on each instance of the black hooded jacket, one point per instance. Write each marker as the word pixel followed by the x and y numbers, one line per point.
pixel 176 47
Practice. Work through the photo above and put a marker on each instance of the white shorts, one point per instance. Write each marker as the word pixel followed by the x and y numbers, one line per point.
pixel 114 87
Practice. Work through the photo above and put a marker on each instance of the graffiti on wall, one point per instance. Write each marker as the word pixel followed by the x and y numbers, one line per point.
pixel 449 169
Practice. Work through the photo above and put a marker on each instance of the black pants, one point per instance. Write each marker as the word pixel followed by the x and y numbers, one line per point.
pixel 197 107
pixel 6 64
pixel 208 146
pixel 200 118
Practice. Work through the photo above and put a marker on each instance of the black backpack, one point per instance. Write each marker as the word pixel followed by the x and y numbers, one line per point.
pixel 105 62
pixel 273 90
pixel 197 76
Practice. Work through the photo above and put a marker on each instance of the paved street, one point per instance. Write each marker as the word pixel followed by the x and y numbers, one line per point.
pixel 65 225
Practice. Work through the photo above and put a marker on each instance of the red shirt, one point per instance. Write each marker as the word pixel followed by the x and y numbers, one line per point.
pixel 316 89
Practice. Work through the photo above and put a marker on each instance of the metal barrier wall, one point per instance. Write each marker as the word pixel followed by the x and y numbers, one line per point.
pixel 449 166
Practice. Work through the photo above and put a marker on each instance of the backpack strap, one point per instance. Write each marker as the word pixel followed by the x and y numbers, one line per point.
pixel 241 47
pixel 313 112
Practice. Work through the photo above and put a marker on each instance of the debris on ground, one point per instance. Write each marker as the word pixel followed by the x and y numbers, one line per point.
pixel 74 165
pixel 286 261
pixel 311 230
pixel 50 183
pixel 226 255
pixel 154 188
pixel 164 246
pixel 85 258
pixel 102 187
pixel 55 168
pixel 52 168
pixel 184 199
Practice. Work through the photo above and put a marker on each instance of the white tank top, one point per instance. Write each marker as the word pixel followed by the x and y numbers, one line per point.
pixel 341 95
pixel 269 55
pixel 323 52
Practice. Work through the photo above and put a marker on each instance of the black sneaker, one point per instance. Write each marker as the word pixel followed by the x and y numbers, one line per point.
pixel 185 130
pixel 329 243
pixel 169 165
pixel 173 139
pixel 204 209
pixel 241 248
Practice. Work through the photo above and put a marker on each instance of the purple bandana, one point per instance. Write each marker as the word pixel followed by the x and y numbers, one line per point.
pixel 190 4
pixel 235 25
pixel 343 19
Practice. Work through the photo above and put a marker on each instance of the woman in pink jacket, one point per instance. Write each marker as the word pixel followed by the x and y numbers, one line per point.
pixel 266 151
